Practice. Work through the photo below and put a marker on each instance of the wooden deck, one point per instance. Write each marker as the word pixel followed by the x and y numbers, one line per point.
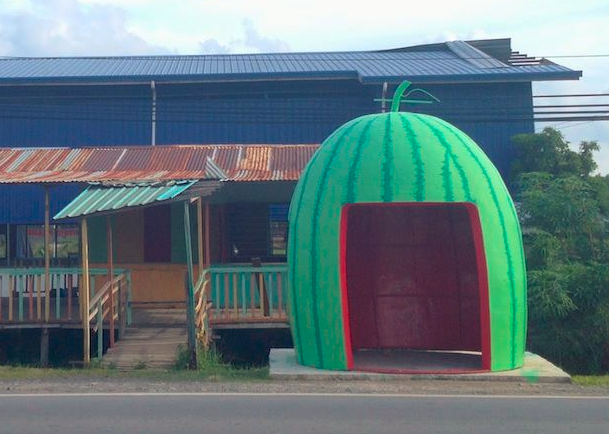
pixel 63 313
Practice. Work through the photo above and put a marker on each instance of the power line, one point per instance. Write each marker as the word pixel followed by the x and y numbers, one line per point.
pixel 302 119
pixel 570 106
pixel 576 95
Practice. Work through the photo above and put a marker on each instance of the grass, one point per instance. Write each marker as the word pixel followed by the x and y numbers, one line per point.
pixel 591 380
pixel 210 368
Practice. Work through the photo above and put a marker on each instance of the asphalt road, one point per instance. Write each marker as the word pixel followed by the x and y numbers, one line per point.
pixel 247 413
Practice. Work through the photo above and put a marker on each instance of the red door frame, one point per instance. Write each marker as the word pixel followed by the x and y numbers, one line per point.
pixel 476 227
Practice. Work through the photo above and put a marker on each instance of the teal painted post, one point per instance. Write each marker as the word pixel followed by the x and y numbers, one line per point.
pixel 20 289
pixel 92 289
pixel 190 296
pixel 243 296
pixel 269 293
pixel 100 330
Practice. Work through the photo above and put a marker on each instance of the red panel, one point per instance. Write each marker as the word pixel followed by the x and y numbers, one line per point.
pixel 157 234
pixel 410 275
pixel 343 289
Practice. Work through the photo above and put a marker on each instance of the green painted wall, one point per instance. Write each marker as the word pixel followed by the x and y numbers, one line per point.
pixel 98 247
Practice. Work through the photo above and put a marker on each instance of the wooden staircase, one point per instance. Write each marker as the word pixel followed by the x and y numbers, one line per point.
pixel 151 342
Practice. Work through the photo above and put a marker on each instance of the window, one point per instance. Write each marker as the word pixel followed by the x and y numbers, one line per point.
pixel 3 239
pixel 278 229
pixel 257 230
pixel 64 241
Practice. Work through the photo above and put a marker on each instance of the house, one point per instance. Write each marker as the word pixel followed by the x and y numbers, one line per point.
pixel 246 122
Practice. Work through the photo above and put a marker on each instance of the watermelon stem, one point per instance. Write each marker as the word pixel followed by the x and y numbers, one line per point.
pixel 398 96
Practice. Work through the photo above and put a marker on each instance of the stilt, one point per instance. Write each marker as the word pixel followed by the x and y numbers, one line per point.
pixel 44 347
pixel 84 296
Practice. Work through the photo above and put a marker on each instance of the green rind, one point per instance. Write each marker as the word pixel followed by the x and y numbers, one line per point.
pixel 397 157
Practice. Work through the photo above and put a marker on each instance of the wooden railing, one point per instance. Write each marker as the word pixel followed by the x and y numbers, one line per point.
pixel 110 306
pixel 245 294
pixel 24 297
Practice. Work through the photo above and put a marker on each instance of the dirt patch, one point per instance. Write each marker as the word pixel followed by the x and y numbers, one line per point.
pixel 151 385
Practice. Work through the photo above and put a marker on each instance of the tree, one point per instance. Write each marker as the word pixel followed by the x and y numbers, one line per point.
pixel 565 220
pixel 549 152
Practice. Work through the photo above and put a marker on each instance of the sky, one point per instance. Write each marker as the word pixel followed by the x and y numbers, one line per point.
pixel 138 27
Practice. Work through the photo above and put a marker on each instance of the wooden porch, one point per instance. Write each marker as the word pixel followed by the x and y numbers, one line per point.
pixel 231 296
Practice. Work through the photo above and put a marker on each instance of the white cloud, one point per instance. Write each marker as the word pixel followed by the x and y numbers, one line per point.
pixel 68 28
pixel 251 42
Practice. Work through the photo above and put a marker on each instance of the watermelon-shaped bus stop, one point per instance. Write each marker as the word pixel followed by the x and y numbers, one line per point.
pixel 403 237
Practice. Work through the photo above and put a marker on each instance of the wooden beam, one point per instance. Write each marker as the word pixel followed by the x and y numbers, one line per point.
pixel 207 239
pixel 200 236
pixel 190 296
pixel 110 275
pixel 84 296
pixel 47 255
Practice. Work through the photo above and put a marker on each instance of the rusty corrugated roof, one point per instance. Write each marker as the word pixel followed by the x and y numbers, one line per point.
pixel 154 163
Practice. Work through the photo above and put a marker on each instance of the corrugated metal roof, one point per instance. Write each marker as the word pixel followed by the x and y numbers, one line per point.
pixel 109 198
pixel 154 163
pixel 452 61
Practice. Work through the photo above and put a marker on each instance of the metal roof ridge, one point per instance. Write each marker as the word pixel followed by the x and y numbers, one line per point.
pixel 187 56
pixel 474 56
pixel 166 146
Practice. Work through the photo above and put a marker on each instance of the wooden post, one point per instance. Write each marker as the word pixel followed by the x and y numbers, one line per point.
pixel 207 240
pixel 47 256
pixel 44 347
pixel 110 275
pixel 200 235
pixel 84 295
pixel 190 297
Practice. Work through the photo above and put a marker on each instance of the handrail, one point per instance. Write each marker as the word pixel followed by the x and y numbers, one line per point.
pixel 25 296
pixel 21 271
pixel 118 291
pixel 104 289
pixel 246 293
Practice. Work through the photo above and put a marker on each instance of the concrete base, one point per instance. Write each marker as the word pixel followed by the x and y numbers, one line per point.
pixel 283 365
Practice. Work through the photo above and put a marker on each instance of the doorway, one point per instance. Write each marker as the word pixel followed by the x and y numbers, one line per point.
pixel 414 277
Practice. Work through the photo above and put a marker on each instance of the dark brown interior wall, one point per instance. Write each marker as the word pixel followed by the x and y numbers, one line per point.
pixel 411 278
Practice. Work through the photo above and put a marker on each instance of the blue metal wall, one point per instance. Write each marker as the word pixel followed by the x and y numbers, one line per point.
pixel 255 112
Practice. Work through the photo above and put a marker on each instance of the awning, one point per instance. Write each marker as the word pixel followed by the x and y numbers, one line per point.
pixel 108 198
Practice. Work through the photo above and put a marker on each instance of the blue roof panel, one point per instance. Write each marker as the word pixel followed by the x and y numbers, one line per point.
pixel 453 61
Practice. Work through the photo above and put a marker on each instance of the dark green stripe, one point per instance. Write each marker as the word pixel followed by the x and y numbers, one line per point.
pixel 447 183
pixel 387 164
pixel 524 275
pixel 292 240
pixel 417 160
pixel 355 162
pixel 448 148
pixel 314 229
pixel 506 244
